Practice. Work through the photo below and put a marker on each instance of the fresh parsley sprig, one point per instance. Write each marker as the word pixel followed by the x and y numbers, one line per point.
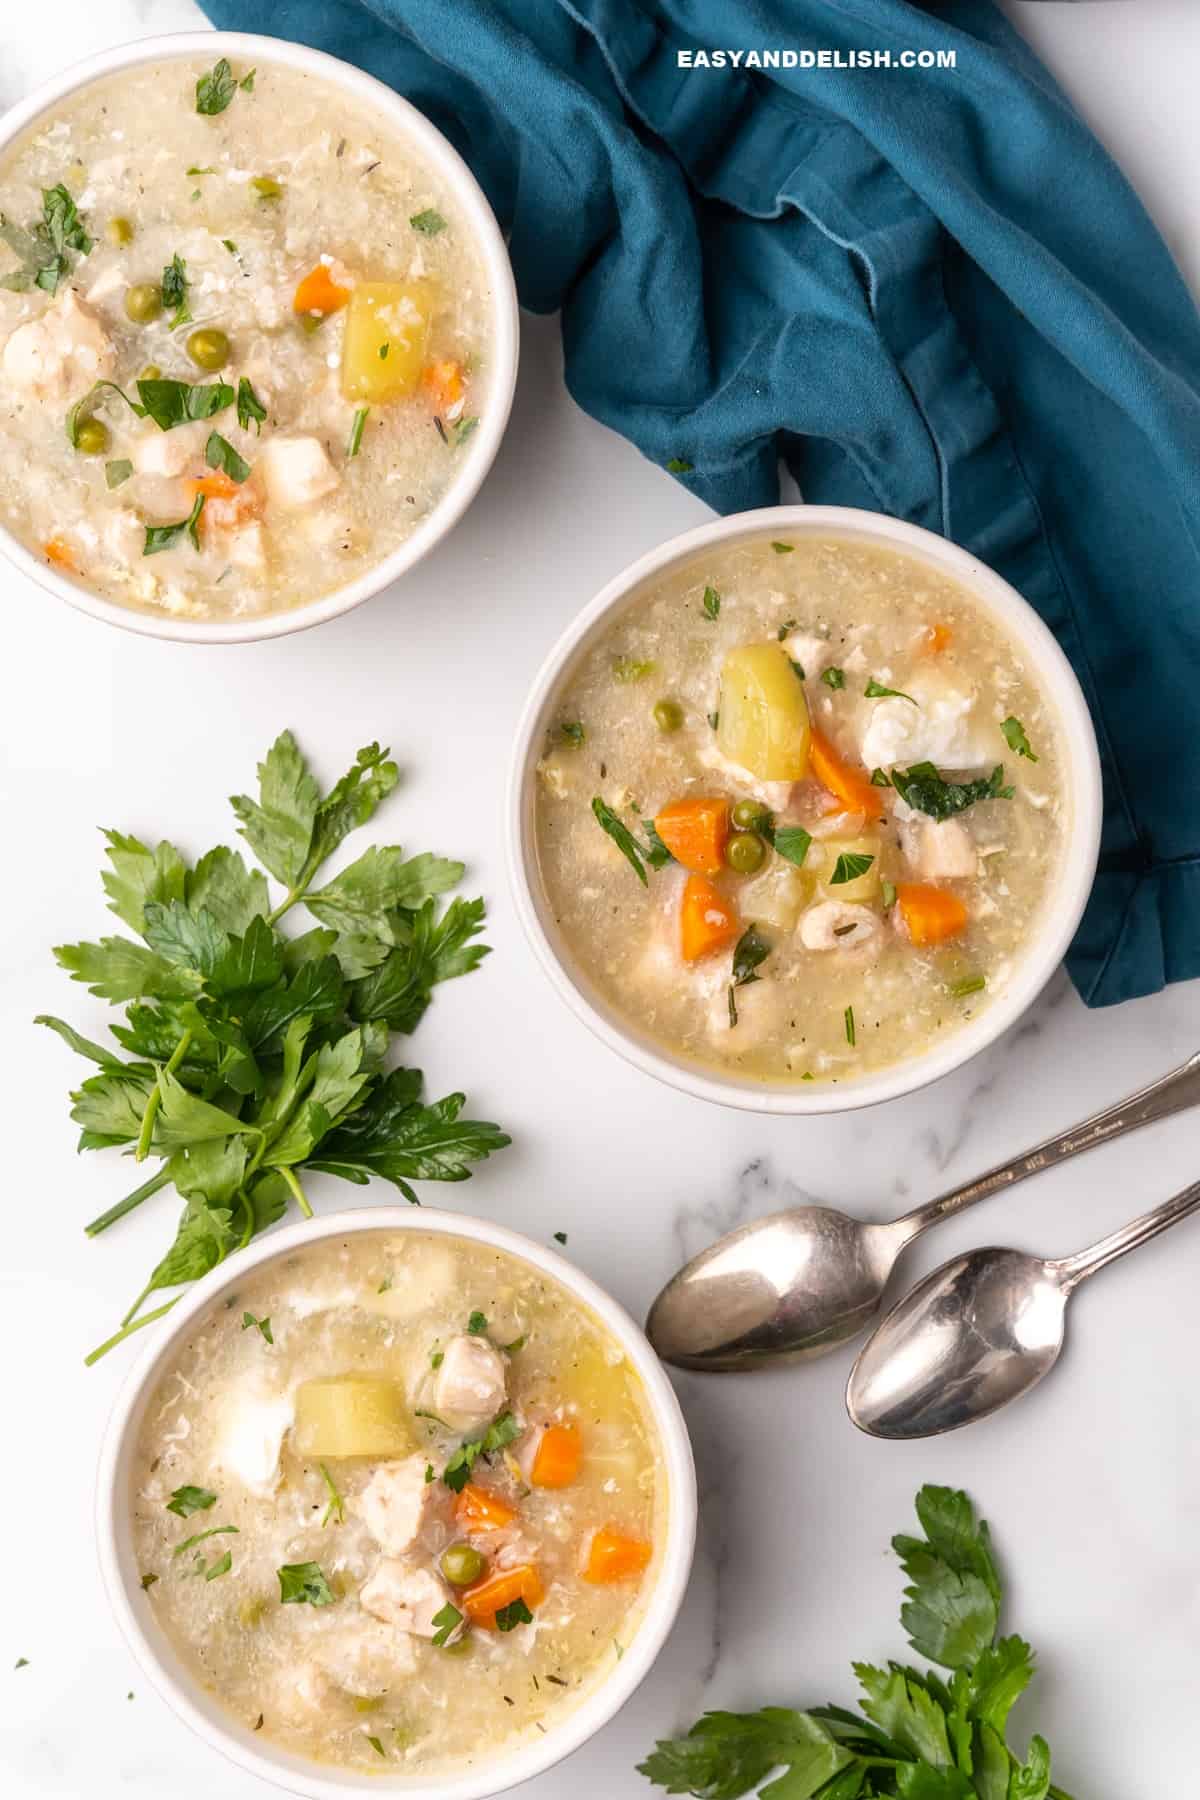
pixel 46 249
pixel 246 1057
pixel 917 1736
pixel 924 789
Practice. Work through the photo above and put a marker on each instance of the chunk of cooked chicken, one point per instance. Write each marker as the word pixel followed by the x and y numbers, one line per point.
pixel 296 471
pixel 398 1502
pixel 938 725
pixel 775 794
pixel 59 354
pixel 406 1596
pixel 943 850
pixel 155 452
pixel 471 1384
pixel 252 1418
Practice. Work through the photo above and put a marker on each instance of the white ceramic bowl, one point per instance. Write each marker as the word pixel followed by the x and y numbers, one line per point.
pixel 174 1683
pixel 1064 905
pixel 245 48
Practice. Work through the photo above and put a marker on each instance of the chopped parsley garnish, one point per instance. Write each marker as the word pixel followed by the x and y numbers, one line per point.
pixel 194 170
pixel 749 953
pixel 47 249
pixel 880 778
pixel 383 352
pixel 851 1033
pixel 792 843
pixel 635 854
pixel 922 788
pixel 437 1358
pixel 429 222
pixel 889 895
pixel 162 537
pixel 571 733
pixel 518 1343
pixel 447 1622
pixel 560 1237
pixel 714 719
pixel 336 1510
pixel 430 1474
pixel 658 856
pixel 834 678
pixel 374 1742
pixel 264 1325
pixel 117 472
pixel 250 410
pixel 175 290
pixel 477 1325
pixel 188 1500
pixel 1017 741
pixel 22 1662
pixel 198 1537
pixel 711 602
pixel 222 1567
pixel 969 984
pixel 788 626
pixel 230 246
pixel 170 403
pixel 219 453
pixel 501 1432
pixel 679 465
pixel 148 1582
pixel 782 549
pixel 215 90
pixel 356 431
pixel 514 1614
pixel 849 866
pixel 247 82
pixel 630 668
pixel 875 691
pixel 304 1584
pixel 797 670
pixel 464 428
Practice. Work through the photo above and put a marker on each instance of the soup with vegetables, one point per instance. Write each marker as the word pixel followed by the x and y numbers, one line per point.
pixel 799 809
pixel 242 335
pixel 399 1501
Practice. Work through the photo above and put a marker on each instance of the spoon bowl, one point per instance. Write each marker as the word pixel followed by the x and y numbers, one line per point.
pixel 972 1336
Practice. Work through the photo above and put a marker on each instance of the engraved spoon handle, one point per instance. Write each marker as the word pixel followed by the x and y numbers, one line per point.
pixel 1170 1094
pixel 1071 1270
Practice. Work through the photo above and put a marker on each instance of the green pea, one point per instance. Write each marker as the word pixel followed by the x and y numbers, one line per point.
pixel 750 815
pixel 143 302
pixel 744 852
pixel 92 437
pixel 461 1565
pixel 668 715
pixel 266 187
pixel 208 348
pixel 119 231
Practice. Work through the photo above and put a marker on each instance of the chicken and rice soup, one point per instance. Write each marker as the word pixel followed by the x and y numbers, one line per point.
pixel 399 1500
pixel 799 809
pixel 242 338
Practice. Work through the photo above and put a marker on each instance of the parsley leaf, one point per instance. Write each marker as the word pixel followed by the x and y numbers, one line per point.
pixel 629 668
pixel 47 248
pixel 188 1500
pixel 336 1510
pixel 162 537
pixel 175 290
pixel 170 403
pixel 636 855
pixel 792 842
pixel 250 410
pixel 501 1432
pixel 834 678
pixel 429 223
pixel 514 1614
pixel 447 1622
pixel 477 1325
pixel 849 866
pixel 264 1325
pixel 922 788
pixel 198 1537
pixel 679 465
pixel 222 1567
pixel 782 549
pixel 304 1584
pixel 215 90
pixel 851 1030
pixel 750 951
pixel 117 472
pixel 711 602
pixel 1016 739
pixel 358 426
pixel 219 453
pixel 571 733
pixel 874 691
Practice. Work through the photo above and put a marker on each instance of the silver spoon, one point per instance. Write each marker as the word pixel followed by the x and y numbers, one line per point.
pixel 979 1332
pixel 797 1284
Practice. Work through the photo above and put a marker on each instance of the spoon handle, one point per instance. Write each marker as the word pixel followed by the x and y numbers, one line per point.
pixel 1071 1270
pixel 1163 1098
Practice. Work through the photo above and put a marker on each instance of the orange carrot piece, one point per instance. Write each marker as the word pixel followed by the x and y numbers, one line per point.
pixel 443 385
pixel 611 1556
pixel 478 1509
pixel 482 1602
pixel 319 293
pixel 930 913
pixel 696 831
pixel 229 503
pixel 938 638
pixel 558 1457
pixel 217 485
pixel 58 551
pixel 707 921
pixel 850 785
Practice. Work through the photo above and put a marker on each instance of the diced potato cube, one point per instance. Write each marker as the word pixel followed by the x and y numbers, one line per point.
pixel 763 723
pixel 387 339
pixel 351 1415
pixel 778 896
pixel 863 890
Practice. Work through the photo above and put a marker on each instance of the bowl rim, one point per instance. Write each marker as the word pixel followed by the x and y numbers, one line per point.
pixel 1062 909
pixel 324 1782
pixel 503 350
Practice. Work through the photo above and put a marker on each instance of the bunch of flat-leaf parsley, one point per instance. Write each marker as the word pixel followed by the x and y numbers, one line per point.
pixel 918 1735
pixel 251 1056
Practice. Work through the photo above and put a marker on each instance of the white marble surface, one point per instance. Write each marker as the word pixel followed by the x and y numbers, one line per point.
pixel 1093 1485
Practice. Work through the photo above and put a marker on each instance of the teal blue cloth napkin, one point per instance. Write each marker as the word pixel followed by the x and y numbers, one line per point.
pixel 928 291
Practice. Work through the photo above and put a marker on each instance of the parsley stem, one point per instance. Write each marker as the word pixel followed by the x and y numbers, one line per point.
pixel 155 1100
pixel 289 1175
pixel 127 1331
pixel 161 1180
